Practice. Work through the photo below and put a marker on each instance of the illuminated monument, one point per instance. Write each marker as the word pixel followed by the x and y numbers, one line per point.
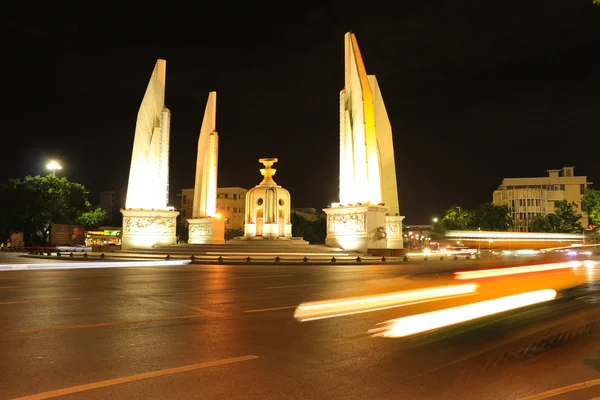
pixel 206 225
pixel 367 216
pixel 147 220
pixel 268 208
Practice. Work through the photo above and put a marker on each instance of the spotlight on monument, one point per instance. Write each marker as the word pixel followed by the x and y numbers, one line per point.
pixel 53 166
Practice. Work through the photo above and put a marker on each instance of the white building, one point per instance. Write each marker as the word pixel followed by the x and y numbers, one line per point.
pixel 528 197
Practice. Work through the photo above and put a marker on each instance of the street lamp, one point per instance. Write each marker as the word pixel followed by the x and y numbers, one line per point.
pixel 53 165
pixel 435 220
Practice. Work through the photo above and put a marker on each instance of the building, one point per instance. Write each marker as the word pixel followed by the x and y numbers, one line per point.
pixel 231 205
pixel 186 205
pixel 108 202
pixel 528 197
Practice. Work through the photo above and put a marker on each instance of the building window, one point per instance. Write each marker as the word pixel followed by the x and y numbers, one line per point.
pixel 562 188
pixel 582 189
pixel 225 195
pixel 183 213
pixel 184 199
pixel 235 196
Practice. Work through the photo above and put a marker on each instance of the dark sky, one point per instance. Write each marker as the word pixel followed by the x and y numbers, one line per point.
pixel 475 90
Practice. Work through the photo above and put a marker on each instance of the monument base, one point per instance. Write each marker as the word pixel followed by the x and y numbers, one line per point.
pixel 267 231
pixel 356 228
pixel 206 230
pixel 147 228
pixel 393 230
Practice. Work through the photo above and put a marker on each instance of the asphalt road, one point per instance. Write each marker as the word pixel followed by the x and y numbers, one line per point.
pixel 228 332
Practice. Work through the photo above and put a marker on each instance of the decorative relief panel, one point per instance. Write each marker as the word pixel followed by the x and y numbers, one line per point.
pixel 393 228
pixel 149 225
pixel 201 230
pixel 341 223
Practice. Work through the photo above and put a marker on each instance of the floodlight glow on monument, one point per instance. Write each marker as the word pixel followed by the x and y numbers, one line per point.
pixel 206 225
pixel 147 219
pixel 149 173
pixel 367 216
pixel 367 166
pixel 205 189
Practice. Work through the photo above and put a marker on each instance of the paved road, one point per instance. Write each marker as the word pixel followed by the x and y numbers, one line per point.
pixel 228 332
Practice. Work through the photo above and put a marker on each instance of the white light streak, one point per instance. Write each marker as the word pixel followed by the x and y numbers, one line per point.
pixel 414 324
pixel 489 273
pixel 93 264
pixel 355 305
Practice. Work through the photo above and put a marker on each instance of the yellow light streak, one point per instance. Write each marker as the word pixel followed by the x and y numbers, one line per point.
pixel 355 305
pixel 489 273
pixel 406 326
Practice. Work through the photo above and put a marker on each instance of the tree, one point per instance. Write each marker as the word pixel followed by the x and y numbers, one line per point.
pixel 311 231
pixel 564 219
pixel 491 217
pixel 457 218
pixel 33 204
pixel 231 233
pixel 568 220
pixel 591 204
pixel 544 223
pixel 92 219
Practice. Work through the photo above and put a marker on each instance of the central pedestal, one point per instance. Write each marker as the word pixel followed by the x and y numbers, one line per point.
pixel 206 230
pixel 356 228
pixel 147 228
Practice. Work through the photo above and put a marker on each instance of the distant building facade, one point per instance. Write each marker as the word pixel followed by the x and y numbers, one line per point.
pixel 527 198
pixel 109 203
pixel 231 204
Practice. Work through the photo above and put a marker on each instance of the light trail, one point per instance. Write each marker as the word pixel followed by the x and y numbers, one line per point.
pixel 419 323
pixel 490 273
pixel 92 264
pixel 355 305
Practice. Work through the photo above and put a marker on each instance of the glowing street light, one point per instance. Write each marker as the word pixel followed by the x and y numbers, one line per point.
pixel 435 220
pixel 53 166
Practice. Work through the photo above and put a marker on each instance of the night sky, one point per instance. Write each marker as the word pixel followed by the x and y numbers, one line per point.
pixel 475 90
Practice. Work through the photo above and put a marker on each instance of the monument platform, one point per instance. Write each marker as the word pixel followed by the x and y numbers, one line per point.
pixel 263 247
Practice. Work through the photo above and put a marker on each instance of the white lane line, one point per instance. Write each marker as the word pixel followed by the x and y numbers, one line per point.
pixel 291 286
pixel 269 309
pixel 140 321
pixel 564 389
pixel 261 276
pixel 39 301
pixel 133 378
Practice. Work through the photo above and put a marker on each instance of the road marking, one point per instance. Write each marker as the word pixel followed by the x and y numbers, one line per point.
pixel 291 286
pixel 39 286
pixel 39 301
pixel 133 378
pixel 261 276
pixel 269 309
pixel 141 321
pixel 564 389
